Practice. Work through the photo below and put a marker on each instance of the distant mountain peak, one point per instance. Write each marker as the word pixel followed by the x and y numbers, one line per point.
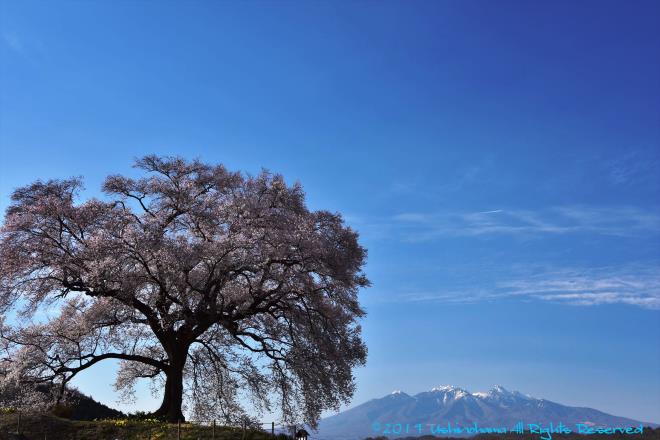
pixel 496 391
pixel 398 393
pixel 500 389
pixel 447 403
pixel 447 393
pixel 448 389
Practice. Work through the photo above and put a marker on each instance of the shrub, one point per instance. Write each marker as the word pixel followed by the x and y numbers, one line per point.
pixel 63 411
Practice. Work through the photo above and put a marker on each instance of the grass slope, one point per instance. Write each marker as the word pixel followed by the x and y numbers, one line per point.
pixel 48 427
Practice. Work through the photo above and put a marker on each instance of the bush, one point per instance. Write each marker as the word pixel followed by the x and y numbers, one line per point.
pixel 63 411
pixel 143 417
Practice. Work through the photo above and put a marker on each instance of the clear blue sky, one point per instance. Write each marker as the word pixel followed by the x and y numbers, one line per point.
pixel 499 158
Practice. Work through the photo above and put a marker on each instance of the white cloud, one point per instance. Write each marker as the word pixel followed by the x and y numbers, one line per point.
pixel 616 221
pixel 633 285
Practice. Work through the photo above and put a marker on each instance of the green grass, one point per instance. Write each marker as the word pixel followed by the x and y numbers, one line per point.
pixel 48 427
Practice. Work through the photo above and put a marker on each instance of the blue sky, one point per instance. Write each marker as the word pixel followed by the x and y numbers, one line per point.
pixel 500 160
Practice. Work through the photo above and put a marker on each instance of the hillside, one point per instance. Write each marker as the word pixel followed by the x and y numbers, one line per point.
pixel 86 408
pixel 75 406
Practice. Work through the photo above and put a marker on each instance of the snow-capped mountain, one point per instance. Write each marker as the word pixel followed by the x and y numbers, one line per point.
pixel 447 404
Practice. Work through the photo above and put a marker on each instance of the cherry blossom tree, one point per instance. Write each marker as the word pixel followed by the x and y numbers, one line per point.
pixel 221 288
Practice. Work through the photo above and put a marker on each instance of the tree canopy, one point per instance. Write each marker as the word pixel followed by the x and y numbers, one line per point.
pixel 219 287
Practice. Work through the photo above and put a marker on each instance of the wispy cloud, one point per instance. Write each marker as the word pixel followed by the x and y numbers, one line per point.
pixel 12 42
pixel 635 167
pixel 30 50
pixel 621 221
pixel 457 180
pixel 631 285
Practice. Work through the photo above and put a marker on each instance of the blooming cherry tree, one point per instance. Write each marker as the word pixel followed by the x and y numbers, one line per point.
pixel 220 288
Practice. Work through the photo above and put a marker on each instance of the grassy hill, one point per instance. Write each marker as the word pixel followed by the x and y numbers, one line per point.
pixel 48 427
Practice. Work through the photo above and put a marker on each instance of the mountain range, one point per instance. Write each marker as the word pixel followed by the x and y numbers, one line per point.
pixel 455 406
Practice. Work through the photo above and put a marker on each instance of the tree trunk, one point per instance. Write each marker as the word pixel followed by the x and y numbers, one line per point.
pixel 170 408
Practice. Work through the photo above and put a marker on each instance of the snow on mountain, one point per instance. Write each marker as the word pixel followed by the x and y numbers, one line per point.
pixel 442 404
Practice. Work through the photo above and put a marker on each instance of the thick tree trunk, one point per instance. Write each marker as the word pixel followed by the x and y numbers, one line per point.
pixel 170 408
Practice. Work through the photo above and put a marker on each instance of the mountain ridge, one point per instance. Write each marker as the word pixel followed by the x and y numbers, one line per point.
pixel 444 404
